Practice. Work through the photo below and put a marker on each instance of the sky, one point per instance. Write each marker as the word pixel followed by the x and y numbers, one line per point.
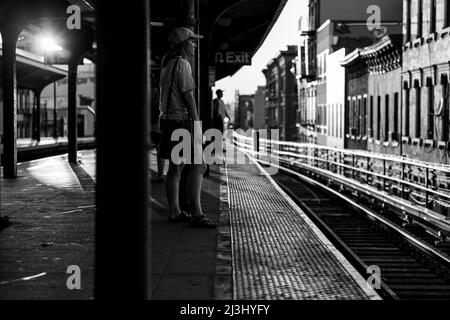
pixel 283 33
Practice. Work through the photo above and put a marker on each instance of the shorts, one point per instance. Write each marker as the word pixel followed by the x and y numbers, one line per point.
pixel 167 128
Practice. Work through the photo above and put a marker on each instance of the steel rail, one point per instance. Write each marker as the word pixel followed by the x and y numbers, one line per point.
pixel 418 163
pixel 405 234
pixel 424 214
pixel 310 155
pixel 379 175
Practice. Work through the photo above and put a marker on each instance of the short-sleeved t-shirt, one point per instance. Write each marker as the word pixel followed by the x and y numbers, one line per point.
pixel 182 82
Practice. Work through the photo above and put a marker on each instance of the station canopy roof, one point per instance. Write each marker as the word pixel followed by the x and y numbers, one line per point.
pixel 237 25
pixel 32 73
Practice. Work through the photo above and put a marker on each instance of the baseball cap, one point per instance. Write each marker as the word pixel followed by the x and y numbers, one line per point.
pixel 179 35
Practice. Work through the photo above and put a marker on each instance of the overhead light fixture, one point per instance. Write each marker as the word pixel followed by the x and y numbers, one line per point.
pixel 48 44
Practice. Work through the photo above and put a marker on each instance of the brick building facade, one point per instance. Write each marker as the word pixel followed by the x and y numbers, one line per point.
pixel 333 25
pixel 243 111
pixel 281 94
pixel 384 92
pixel 374 96
pixel 356 117
pixel 425 80
pixel 259 110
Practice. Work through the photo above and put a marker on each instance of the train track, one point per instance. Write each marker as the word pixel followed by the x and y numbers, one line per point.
pixel 410 266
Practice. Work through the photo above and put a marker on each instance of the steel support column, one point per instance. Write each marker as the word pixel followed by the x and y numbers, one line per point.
pixel 37 115
pixel 10 34
pixel 33 121
pixel 55 122
pixel 205 89
pixel 72 111
pixel 123 217
pixel 187 16
pixel 205 97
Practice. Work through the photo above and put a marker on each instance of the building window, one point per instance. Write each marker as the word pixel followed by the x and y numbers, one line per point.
pixel 348 114
pixel 419 18
pixel 371 117
pixel 364 117
pixel 396 111
pixel 378 118
pixel 336 119
pixel 433 16
pixel 354 118
pixel 445 109
pixel 446 13
pixel 430 122
pixel 386 118
pixel 418 112
pixel 407 20
pixel 358 117
pixel 407 106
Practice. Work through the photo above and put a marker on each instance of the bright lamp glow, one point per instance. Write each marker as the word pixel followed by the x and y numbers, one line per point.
pixel 48 44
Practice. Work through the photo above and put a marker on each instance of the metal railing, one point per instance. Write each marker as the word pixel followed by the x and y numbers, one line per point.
pixel 420 185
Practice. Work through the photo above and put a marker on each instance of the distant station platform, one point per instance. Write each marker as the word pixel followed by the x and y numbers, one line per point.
pixel 30 149
pixel 264 248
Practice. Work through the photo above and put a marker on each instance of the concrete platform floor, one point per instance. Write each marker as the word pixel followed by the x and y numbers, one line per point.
pixel 51 206
pixel 184 258
pixel 51 209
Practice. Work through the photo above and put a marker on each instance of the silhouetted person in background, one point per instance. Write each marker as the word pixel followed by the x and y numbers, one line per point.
pixel 220 112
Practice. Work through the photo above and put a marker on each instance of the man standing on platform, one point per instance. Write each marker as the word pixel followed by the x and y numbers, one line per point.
pixel 220 112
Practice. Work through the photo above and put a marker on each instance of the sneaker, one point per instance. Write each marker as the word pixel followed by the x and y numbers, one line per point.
pixel 202 222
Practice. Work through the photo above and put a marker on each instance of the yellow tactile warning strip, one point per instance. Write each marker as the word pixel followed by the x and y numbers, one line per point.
pixel 277 251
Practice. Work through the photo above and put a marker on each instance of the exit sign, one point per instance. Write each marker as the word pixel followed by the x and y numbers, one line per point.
pixel 240 58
